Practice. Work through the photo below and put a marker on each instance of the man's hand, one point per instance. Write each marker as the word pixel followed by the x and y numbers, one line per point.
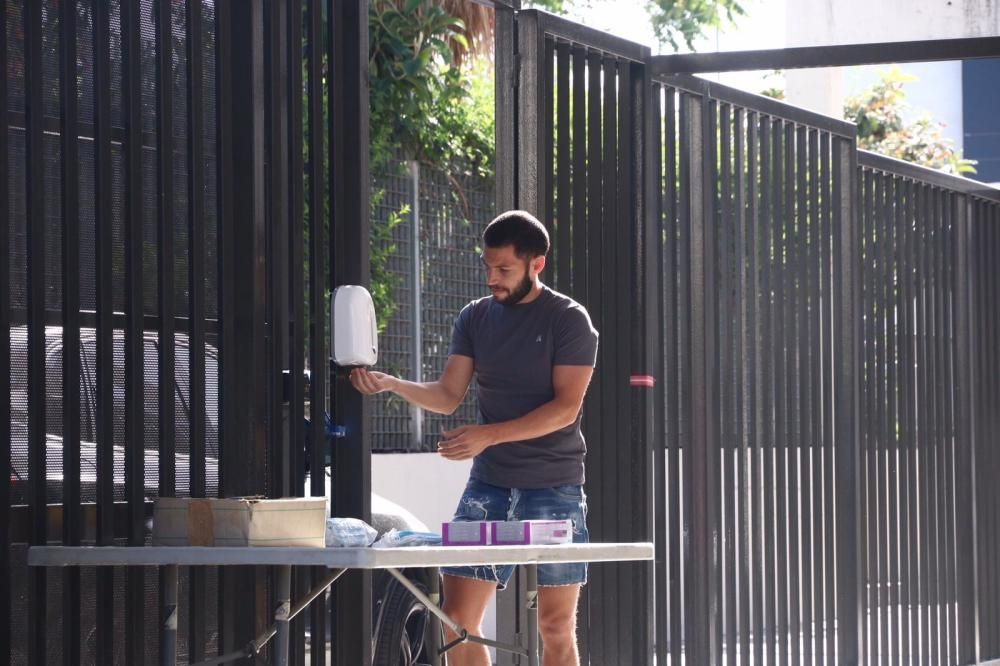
pixel 370 382
pixel 467 441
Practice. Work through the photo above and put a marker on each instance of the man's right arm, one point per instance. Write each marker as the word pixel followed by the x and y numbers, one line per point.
pixel 443 396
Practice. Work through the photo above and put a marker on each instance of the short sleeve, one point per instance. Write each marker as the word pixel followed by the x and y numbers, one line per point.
pixel 461 337
pixel 575 339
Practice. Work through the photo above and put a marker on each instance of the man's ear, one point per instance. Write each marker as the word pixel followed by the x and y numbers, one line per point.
pixel 538 264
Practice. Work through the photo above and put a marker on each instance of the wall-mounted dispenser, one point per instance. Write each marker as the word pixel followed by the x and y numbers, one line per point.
pixel 352 326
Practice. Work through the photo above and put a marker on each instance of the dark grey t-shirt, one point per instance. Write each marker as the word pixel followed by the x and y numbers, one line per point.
pixel 514 349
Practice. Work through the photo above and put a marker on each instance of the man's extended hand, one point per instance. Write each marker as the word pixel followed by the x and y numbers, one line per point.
pixel 466 441
pixel 371 382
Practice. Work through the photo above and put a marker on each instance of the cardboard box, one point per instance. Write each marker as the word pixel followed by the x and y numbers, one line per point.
pixel 465 533
pixel 535 532
pixel 294 521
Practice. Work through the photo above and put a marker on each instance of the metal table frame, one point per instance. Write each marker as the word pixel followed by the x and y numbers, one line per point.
pixel 339 560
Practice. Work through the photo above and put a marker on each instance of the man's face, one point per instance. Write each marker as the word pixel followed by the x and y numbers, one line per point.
pixel 509 277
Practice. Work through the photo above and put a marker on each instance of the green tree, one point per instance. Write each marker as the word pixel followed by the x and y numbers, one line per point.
pixel 878 113
pixel 674 21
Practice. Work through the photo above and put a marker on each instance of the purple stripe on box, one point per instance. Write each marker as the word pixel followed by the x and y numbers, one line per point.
pixel 448 539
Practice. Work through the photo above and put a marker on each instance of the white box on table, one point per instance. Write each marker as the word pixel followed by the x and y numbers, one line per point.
pixel 287 522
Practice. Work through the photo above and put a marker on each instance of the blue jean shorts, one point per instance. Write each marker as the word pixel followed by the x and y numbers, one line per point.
pixel 482 501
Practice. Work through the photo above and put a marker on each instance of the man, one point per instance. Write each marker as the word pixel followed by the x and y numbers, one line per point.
pixel 533 351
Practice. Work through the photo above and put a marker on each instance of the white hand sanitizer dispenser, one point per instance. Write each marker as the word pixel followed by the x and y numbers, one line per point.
pixel 355 337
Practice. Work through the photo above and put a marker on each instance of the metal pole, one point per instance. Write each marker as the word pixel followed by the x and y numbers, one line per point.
pixel 434 593
pixel 531 604
pixel 416 413
pixel 168 631
pixel 282 614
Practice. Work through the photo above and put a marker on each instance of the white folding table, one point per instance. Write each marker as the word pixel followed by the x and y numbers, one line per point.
pixel 339 560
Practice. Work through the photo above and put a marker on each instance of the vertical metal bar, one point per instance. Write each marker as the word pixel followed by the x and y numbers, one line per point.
pixel 940 425
pixel 547 205
pixel 865 182
pixel 784 201
pixel 349 264
pixel 167 487
pixel 197 576
pixel 165 244
pixel 759 225
pixel 579 176
pixel 745 219
pixel 753 575
pixel 846 289
pixel 595 256
pixel 893 309
pixel 168 614
pixel 676 337
pixel 72 527
pixel 242 235
pixel 532 123
pixel 296 238
pixel 908 536
pixel 812 617
pixel 282 609
pixel 923 403
pixel 963 347
pixel 276 308
pixel 134 355
pixel 563 222
pixel 607 512
pixel 318 251
pixel 6 609
pixel 934 395
pixel 702 615
pixel 768 242
pixel 724 380
pixel 827 298
pixel 34 167
pixel 531 605
pixel 884 323
pixel 877 510
pixel 105 310
pixel 949 440
pixel 506 83
pixel 797 487
pixel 297 334
pixel 660 290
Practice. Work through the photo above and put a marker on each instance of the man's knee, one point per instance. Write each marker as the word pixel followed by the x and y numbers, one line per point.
pixel 557 624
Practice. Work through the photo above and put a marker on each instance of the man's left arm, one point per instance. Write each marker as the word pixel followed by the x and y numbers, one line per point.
pixel 569 383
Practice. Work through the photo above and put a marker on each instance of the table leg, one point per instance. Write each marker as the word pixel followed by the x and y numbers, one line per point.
pixel 434 592
pixel 168 631
pixel 282 614
pixel 531 600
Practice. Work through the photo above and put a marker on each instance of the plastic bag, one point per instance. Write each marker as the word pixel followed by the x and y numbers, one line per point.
pixel 349 533
pixel 398 538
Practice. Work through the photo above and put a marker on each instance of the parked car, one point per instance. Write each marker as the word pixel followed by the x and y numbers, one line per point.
pixel 399 621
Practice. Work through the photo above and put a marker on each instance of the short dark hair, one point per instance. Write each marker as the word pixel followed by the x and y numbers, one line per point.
pixel 520 229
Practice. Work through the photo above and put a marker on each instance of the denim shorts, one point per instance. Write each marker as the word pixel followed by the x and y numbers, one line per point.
pixel 482 501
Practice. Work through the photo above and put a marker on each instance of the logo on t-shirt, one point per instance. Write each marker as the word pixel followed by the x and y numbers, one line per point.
pixel 538 339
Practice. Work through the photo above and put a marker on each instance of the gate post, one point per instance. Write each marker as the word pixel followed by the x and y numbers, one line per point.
pixel 847 395
pixel 964 345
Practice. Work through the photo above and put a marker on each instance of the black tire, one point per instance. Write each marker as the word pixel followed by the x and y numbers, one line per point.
pixel 401 627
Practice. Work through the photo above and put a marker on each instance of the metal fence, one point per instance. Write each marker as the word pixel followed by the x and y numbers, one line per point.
pixel 447 215
pixel 153 315
pixel 813 461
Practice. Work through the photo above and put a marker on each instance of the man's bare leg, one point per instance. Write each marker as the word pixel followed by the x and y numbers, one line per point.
pixel 465 601
pixel 557 624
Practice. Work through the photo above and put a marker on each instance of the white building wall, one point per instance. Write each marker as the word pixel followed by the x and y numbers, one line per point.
pixel 938 90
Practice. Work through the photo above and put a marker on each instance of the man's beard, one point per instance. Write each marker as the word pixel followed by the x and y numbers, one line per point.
pixel 519 292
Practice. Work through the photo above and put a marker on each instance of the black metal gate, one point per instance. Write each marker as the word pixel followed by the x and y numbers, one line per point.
pixel 814 460
pixel 165 291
